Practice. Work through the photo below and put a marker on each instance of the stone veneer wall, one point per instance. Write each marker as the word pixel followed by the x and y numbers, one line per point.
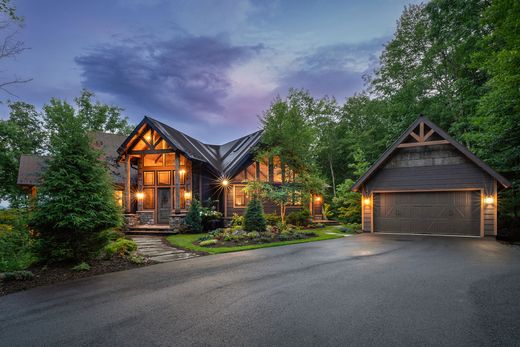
pixel 146 217
pixel 176 221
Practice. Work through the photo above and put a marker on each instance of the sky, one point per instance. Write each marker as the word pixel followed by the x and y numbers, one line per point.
pixel 206 67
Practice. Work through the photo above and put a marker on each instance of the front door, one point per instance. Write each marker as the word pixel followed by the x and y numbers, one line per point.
pixel 164 205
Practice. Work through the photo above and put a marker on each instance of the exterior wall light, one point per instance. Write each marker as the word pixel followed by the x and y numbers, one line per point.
pixel 366 201
pixel 187 195
pixel 489 200
pixel 182 171
pixel 318 198
pixel 225 183
pixel 139 195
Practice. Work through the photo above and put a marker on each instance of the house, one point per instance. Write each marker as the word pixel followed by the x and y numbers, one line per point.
pixel 158 170
pixel 428 183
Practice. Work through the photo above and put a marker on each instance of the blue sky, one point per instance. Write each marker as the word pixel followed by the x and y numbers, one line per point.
pixel 209 68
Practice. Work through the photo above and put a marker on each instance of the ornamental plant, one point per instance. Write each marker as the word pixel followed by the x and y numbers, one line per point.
pixel 254 217
pixel 193 218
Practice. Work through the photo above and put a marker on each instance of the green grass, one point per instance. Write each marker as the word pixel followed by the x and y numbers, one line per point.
pixel 186 241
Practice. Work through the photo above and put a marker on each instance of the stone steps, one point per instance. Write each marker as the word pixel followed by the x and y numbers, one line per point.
pixel 157 249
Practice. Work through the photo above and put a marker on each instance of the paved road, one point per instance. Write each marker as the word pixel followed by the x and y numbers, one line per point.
pixel 362 290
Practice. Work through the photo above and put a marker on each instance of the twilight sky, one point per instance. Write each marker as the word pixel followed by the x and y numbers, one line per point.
pixel 206 67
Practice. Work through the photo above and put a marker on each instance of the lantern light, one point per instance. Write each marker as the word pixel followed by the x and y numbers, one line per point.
pixel 489 200
pixel 187 195
pixel 318 198
pixel 139 195
pixel 367 201
pixel 182 171
pixel 225 182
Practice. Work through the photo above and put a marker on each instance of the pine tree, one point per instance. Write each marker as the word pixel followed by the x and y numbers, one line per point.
pixel 193 217
pixel 254 219
pixel 76 200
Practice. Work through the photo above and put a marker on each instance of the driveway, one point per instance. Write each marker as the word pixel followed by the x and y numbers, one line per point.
pixel 361 290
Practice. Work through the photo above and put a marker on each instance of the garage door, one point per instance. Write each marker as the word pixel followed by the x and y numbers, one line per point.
pixel 443 213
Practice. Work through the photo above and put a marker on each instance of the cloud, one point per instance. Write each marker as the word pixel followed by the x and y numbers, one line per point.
pixel 334 70
pixel 185 76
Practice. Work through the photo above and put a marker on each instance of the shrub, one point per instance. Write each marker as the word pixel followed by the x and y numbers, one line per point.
pixel 121 246
pixel 211 219
pixel 111 234
pixel 346 203
pixel 21 275
pixel 16 246
pixel 136 259
pixel 237 220
pixel 81 267
pixel 253 235
pixel 205 237
pixel 299 218
pixel 194 217
pixel 272 219
pixel 318 225
pixel 9 216
pixel 350 228
pixel 208 243
pixel 254 217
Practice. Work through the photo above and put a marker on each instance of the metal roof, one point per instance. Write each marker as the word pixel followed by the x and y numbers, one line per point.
pixel 224 159
pixel 385 156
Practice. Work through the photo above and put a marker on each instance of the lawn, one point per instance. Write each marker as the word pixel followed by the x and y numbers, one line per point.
pixel 186 241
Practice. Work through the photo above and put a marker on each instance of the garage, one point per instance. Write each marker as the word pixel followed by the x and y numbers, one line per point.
pixel 427 183
pixel 440 213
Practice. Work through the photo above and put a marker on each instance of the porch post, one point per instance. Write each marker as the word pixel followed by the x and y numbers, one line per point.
pixel 128 197
pixel 177 183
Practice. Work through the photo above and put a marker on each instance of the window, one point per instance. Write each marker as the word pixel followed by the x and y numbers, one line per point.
pixel 164 178
pixel 240 199
pixel 149 198
pixel 296 199
pixel 153 160
pixel 148 178
pixel 277 169
pixel 119 197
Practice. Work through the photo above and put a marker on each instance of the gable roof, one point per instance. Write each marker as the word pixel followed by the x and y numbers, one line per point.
pixel 224 159
pixel 446 138
pixel 32 167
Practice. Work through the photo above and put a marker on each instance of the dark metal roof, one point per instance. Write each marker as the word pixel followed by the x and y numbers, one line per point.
pixel 384 157
pixel 224 159
pixel 32 166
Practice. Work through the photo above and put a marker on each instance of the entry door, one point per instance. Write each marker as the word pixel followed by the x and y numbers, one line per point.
pixel 164 205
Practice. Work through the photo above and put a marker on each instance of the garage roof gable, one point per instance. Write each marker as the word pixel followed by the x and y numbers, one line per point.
pixel 429 134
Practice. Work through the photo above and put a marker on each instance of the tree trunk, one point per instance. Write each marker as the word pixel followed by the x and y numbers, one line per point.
pixel 333 178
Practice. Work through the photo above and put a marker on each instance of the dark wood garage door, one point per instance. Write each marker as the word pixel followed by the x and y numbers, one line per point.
pixel 443 213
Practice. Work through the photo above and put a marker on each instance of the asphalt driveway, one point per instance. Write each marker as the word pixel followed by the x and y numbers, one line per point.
pixel 361 290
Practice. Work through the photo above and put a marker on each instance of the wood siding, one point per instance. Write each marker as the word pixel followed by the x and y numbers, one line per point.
pixel 432 168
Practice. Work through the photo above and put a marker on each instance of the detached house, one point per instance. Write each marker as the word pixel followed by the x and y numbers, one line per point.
pixel 158 170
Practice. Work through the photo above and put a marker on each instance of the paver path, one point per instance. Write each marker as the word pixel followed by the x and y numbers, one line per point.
pixel 157 249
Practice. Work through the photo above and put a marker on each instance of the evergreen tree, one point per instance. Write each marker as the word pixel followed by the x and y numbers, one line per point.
pixel 193 217
pixel 254 219
pixel 76 200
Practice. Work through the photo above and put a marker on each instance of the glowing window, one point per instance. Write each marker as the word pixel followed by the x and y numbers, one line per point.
pixel 149 198
pixel 119 197
pixel 148 178
pixel 164 177
pixel 241 199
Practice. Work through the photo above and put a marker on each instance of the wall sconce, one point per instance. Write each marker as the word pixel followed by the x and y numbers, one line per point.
pixel 490 200
pixel 225 183
pixel 366 201
pixel 318 198
pixel 187 195
pixel 139 195
pixel 182 171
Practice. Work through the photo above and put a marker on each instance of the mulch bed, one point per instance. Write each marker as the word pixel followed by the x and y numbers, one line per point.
pixel 55 274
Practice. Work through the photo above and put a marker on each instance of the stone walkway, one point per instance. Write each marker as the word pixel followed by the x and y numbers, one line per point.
pixel 157 249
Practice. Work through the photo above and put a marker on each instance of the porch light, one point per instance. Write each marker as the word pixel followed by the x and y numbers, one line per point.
pixel 139 195
pixel 225 182
pixel 187 195
pixel 182 171
pixel 318 198
pixel 489 200
pixel 366 201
